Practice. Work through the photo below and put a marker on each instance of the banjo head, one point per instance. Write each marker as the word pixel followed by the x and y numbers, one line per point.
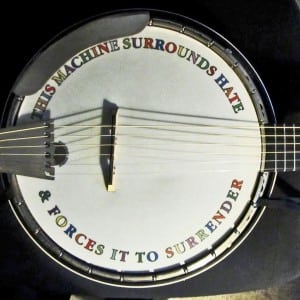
pixel 159 148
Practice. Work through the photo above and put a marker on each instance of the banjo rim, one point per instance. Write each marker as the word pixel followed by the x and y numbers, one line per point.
pixel 169 276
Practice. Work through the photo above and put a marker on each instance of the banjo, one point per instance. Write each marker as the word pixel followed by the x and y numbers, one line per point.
pixel 136 147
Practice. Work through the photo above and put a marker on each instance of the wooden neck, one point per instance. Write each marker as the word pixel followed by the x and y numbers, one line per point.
pixel 282 148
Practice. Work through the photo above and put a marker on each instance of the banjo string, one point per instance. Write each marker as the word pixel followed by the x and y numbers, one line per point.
pixel 276 143
pixel 191 153
pixel 183 125
pixel 162 145
pixel 167 143
pixel 147 136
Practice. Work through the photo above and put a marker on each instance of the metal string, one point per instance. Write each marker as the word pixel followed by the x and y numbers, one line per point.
pixel 158 126
pixel 162 126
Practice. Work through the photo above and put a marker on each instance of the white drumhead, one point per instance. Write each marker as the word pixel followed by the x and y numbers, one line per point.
pixel 187 154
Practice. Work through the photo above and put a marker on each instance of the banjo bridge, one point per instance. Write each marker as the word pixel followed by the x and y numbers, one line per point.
pixel 108 144
pixel 28 150
pixel 111 179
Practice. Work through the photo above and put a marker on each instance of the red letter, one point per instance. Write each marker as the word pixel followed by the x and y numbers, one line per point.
pixel 90 244
pixel 237 184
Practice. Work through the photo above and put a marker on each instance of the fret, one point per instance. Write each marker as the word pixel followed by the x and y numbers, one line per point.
pixel 294 148
pixel 279 148
pixel 290 144
pixel 270 149
pixel 297 148
pixel 275 149
pixel 284 147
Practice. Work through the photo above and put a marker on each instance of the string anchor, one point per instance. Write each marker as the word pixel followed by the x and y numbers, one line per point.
pixel 28 150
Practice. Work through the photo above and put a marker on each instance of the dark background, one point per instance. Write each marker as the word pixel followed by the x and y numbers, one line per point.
pixel 268 34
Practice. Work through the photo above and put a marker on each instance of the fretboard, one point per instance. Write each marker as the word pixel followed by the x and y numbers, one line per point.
pixel 282 148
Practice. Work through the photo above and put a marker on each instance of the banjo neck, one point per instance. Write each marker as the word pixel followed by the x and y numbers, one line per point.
pixel 282 148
